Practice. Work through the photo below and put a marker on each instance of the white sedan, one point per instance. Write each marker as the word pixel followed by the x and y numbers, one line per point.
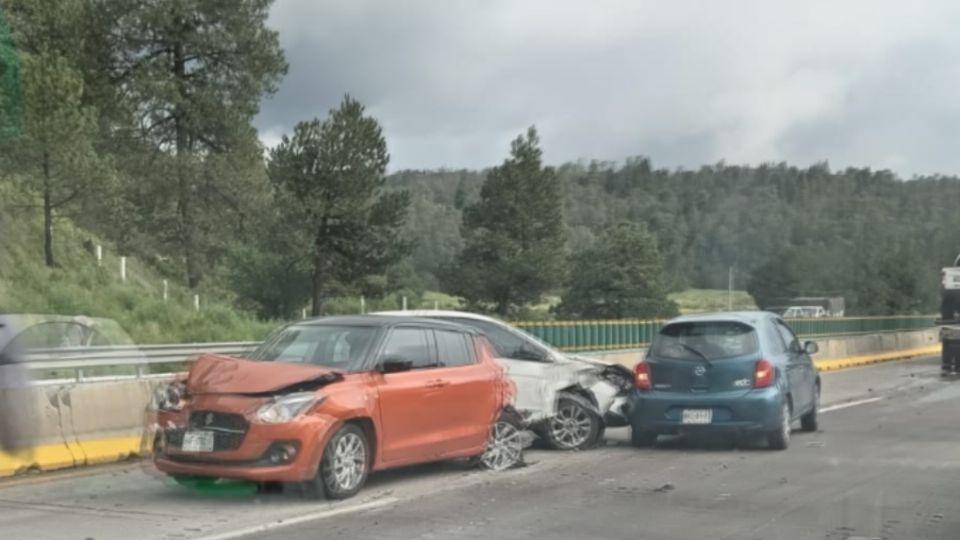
pixel 568 400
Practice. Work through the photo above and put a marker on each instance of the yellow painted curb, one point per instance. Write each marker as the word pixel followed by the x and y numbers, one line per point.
pixel 854 361
pixel 49 457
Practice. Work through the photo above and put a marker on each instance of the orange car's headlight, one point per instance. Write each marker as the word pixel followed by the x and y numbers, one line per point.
pixel 285 408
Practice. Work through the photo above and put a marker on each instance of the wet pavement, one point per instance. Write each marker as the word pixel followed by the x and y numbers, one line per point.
pixel 885 465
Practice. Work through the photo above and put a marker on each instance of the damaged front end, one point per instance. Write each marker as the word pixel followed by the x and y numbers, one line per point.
pixel 233 418
pixel 610 384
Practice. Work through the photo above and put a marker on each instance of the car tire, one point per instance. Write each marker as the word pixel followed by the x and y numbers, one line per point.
pixel 344 466
pixel 779 439
pixel 811 420
pixel 505 446
pixel 642 438
pixel 576 425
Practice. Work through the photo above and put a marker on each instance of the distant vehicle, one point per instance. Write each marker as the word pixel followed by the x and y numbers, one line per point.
pixel 569 400
pixel 324 402
pixel 735 372
pixel 804 312
pixel 950 319
pixel 830 306
pixel 950 291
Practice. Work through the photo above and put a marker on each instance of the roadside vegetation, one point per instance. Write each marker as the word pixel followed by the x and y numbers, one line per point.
pixel 706 300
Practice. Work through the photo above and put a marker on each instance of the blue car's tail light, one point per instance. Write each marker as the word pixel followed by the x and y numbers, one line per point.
pixel 641 377
pixel 763 374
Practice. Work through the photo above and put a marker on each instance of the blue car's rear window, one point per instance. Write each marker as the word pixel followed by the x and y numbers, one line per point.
pixel 711 339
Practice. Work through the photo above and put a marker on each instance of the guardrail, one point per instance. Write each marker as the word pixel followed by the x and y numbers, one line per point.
pixel 571 336
pixel 139 358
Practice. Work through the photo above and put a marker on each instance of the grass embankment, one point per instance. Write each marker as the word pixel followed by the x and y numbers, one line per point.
pixel 706 300
pixel 79 286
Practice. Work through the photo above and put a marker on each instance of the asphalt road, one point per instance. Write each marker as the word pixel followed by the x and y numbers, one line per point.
pixel 886 465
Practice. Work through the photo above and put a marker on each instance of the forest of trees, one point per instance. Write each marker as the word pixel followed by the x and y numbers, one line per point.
pixel 134 119
pixel 866 235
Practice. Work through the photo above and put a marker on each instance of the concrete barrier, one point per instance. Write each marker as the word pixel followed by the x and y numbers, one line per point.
pixel 81 424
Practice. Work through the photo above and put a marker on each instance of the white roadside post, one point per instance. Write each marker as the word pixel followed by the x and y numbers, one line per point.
pixel 99 255
pixel 123 269
pixel 730 288
pixel 404 303
pixel 363 305
pixel 165 290
pixel 196 302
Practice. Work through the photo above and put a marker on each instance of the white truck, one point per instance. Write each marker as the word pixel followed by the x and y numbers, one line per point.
pixel 950 318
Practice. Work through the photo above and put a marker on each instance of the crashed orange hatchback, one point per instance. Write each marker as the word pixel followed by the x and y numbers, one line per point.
pixel 324 402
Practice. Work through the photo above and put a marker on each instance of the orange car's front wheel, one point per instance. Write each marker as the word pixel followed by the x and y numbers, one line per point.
pixel 344 466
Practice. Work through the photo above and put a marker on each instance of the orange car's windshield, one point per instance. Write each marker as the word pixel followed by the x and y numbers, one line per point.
pixel 335 346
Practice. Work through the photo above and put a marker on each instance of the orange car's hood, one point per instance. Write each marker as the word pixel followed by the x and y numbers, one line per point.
pixel 219 374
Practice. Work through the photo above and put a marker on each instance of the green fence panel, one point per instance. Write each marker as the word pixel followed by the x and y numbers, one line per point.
pixel 631 333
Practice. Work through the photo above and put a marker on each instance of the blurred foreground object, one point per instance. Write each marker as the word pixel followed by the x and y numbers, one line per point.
pixel 16 430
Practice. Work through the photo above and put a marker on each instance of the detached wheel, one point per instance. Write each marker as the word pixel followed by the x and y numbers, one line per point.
pixel 811 420
pixel 505 448
pixel 779 439
pixel 344 466
pixel 576 425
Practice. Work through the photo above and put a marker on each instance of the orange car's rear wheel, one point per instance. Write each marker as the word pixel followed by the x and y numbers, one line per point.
pixel 344 466
pixel 505 446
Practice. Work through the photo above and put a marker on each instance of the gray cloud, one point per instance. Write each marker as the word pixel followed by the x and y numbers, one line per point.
pixel 865 83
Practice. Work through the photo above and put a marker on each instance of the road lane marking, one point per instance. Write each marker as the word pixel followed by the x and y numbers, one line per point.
pixel 323 514
pixel 849 404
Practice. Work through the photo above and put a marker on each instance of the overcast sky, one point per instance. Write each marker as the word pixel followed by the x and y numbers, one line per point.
pixel 870 83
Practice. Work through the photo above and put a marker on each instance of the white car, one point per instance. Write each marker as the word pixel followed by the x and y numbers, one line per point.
pixel 567 400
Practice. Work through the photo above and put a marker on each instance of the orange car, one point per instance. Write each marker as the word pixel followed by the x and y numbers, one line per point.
pixel 324 402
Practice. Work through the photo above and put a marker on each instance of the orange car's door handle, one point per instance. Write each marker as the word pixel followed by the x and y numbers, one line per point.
pixel 437 383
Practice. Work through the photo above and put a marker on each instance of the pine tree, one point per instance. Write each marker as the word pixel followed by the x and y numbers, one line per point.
pixel 514 234
pixel 621 276
pixel 331 176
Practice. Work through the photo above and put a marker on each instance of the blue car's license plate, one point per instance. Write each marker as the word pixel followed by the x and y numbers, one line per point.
pixel 697 416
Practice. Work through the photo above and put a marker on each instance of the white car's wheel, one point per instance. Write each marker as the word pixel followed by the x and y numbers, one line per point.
pixel 575 426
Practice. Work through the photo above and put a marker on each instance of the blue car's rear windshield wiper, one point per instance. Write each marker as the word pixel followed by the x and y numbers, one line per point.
pixel 698 353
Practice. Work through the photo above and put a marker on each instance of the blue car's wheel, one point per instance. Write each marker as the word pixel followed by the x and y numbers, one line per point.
pixel 779 439
pixel 811 420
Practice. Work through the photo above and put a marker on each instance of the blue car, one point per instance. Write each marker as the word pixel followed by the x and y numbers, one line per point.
pixel 742 372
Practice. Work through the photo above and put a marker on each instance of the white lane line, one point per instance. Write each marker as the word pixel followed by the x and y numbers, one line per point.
pixel 849 404
pixel 323 514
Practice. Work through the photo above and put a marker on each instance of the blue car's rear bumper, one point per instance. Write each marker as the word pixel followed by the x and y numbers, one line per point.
pixel 741 410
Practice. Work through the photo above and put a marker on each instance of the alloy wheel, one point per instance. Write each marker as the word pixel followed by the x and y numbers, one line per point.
pixel 505 448
pixel 572 426
pixel 349 463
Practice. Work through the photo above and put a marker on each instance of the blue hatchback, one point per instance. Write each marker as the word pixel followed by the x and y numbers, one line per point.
pixel 730 372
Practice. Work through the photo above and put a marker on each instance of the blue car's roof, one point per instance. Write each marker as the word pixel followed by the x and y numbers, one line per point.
pixel 751 318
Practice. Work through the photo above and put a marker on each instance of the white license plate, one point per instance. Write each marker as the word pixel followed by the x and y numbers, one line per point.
pixel 697 416
pixel 197 441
